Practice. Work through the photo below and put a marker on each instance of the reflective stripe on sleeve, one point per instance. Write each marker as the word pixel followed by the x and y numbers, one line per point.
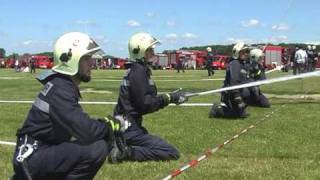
pixel 42 105
pixel 125 83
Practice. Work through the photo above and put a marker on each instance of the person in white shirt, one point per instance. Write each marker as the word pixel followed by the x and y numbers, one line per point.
pixel 300 58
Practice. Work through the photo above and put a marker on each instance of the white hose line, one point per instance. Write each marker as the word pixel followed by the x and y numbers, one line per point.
pixel 257 83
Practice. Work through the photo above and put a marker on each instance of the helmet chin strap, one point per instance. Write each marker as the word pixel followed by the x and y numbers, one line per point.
pixel 143 60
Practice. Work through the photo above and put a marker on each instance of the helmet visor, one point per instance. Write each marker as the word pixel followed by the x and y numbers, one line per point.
pixel 155 43
pixel 94 49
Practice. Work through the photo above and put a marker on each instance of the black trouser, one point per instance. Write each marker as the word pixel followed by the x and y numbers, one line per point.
pixel 310 65
pixel 256 98
pixel 313 68
pixel 298 67
pixel 148 147
pixel 32 69
pixel 210 70
pixel 69 161
pixel 180 67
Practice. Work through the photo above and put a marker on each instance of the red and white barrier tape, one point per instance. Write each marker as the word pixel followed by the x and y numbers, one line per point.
pixel 194 162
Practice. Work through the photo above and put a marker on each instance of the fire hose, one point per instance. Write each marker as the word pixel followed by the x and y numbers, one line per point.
pixel 257 83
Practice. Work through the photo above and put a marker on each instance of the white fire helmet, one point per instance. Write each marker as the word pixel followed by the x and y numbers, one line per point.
pixel 209 49
pixel 314 47
pixel 139 43
pixel 256 55
pixel 309 47
pixel 68 50
pixel 240 46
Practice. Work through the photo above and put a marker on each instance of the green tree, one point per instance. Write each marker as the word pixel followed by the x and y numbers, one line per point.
pixel 13 55
pixel 50 54
pixel 2 53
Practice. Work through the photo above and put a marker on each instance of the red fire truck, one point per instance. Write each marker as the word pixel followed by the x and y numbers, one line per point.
pixel 273 56
pixel 220 62
pixel 119 63
pixel 194 58
pixel 44 62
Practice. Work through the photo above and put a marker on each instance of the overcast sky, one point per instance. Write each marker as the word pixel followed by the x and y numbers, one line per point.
pixel 31 26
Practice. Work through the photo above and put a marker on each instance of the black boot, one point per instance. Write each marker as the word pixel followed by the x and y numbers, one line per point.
pixel 216 111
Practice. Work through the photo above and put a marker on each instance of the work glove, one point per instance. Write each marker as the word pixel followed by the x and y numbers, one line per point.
pixel 118 123
pixel 120 150
pixel 177 97
pixel 116 126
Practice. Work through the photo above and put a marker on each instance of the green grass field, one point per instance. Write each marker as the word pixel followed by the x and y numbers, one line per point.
pixel 287 146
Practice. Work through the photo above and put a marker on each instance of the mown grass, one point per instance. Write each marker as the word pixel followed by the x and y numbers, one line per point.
pixel 286 146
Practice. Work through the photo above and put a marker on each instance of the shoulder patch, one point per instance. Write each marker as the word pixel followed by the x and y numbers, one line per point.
pixel 47 87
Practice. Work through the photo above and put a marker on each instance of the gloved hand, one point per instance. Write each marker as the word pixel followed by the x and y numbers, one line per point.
pixel 113 130
pixel 177 97
pixel 120 151
pixel 117 123
pixel 116 126
pixel 124 122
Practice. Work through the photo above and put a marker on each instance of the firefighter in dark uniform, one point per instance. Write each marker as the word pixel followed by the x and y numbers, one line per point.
pixel 180 63
pixel 32 65
pixel 315 59
pixel 137 97
pixel 209 62
pixel 256 73
pixel 311 57
pixel 58 140
pixel 232 103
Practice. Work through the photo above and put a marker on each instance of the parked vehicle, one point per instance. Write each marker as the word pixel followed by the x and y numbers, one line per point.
pixel 273 56
pixel 220 62
pixel 44 62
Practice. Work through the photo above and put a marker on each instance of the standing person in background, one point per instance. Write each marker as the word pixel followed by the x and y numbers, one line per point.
pixel 32 65
pixel 301 58
pixel 16 64
pixel 180 62
pixel 311 56
pixel 2 64
pixel 316 58
pixel 209 61
pixel 292 60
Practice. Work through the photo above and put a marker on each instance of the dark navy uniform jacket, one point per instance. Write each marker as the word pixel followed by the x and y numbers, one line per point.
pixel 56 115
pixel 209 59
pixel 237 73
pixel 138 94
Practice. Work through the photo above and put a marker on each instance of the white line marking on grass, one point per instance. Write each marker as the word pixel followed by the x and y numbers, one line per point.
pixel 7 143
pixel 91 90
pixel 105 103
pixel 10 78
pixel 164 80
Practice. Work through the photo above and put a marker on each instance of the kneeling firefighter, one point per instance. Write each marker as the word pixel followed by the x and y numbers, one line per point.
pixel 232 104
pixel 58 140
pixel 137 97
pixel 256 73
